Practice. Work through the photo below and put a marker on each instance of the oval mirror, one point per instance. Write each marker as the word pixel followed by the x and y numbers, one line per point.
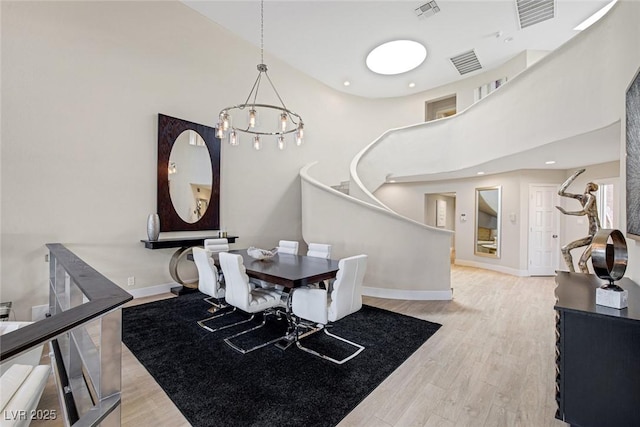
pixel 190 176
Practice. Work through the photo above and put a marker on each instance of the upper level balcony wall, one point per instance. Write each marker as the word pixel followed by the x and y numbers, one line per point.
pixel 573 90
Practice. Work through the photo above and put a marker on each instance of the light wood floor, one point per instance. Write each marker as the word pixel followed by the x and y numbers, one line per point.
pixel 491 364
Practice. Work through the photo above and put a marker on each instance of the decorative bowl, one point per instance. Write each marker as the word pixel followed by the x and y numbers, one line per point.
pixel 261 254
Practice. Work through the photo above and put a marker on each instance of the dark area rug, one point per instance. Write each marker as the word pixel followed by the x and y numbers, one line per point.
pixel 213 385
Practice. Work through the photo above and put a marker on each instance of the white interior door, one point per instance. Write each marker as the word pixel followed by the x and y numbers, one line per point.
pixel 543 230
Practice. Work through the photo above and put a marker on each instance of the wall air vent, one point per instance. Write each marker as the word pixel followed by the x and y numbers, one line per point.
pixel 466 62
pixel 427 9
pixel 531 12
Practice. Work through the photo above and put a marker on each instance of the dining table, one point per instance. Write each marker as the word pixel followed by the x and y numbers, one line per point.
pixel 288 270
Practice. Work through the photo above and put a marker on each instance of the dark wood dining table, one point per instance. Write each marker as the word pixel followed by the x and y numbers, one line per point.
pixel 290 271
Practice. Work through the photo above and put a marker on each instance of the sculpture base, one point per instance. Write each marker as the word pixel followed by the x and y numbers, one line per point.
pixel 612 298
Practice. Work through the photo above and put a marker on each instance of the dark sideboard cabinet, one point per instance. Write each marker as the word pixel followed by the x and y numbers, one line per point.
pixel 597 355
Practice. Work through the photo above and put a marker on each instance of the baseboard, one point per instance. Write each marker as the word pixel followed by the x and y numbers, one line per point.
pixel 152 290
pixel 408 294
pixel 493 267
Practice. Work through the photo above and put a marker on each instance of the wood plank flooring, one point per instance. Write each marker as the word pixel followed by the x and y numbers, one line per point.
pixel 491 364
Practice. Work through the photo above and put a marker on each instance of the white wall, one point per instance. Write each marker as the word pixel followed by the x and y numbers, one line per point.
pixel 464 89
pixel 407 260
pixel 538 107
pixel 83 83
pixel 408 199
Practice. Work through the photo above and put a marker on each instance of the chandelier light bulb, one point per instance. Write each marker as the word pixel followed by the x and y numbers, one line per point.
pixel 281 142
pixel 299 134
pixel 253 118
pixel 219 131
pixel 233 138
pixel 283 122
pixel 225 121
pixel 256 143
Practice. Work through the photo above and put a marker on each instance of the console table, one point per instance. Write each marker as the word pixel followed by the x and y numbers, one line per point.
pixel 182 242
pixel 597 352
pixel 185 245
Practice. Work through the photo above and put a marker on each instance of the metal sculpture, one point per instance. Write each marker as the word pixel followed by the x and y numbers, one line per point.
pixel 590 210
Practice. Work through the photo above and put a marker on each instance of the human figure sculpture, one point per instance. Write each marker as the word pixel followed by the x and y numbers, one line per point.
pixel 589 208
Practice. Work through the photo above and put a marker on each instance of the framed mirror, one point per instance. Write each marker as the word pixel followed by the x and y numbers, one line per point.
pixel 188 175
pixel 488 219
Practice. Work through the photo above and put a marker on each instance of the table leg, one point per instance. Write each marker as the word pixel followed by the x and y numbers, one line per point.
pixel 185 286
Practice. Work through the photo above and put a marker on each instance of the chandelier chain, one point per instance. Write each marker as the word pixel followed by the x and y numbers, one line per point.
pixel 262 31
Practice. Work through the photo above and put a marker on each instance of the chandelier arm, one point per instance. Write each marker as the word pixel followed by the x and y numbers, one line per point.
pixel 255 95
pixel 256 83
pixel 284 107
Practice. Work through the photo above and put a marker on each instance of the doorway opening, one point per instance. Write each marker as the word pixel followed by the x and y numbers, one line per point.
pixel 440 108
pixel 440 212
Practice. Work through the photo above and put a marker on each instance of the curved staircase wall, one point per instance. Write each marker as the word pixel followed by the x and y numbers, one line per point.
pixel 407 259
pixel 576 89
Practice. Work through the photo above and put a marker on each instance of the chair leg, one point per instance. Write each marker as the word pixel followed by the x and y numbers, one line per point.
pixel 202 325
pixel 324 356
pixel 249 350
pixel 217 305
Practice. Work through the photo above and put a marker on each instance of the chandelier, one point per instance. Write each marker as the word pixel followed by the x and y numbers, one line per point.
pixel 284 121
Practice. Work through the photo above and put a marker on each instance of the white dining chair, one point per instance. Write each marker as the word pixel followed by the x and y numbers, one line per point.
pixel 242 295
pixel 288 247
pixel 209 284
pixel 208 281
pixel 319 250
pixel 216 245
pixel 312 309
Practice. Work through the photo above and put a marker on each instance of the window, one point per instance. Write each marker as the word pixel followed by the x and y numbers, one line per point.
pixel 606 206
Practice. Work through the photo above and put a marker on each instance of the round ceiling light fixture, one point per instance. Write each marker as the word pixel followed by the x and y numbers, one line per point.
pixel 396 57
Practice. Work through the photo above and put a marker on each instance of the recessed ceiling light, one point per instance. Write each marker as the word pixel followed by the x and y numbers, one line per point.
pixel 396 57
pixel 347 83
pixel 480 173
pixel 550 162
pixel 412 84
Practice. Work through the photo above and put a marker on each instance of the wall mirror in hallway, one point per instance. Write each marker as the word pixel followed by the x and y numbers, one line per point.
pixel 188 175
pixel 488 219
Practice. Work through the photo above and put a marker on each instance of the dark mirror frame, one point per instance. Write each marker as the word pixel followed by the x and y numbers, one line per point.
pixel 169 128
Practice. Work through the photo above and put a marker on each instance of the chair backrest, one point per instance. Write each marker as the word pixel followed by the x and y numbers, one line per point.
pixel 288 247
pixel 238 289
pixel 346 297
pixel 216 245
pixel 207 271
pixel 319 250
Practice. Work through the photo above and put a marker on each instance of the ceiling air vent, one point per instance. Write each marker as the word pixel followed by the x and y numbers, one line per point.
pixel 466 62
pixel 427 9
pixel 531 12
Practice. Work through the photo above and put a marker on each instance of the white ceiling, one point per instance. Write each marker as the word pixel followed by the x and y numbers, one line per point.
pixel 329 40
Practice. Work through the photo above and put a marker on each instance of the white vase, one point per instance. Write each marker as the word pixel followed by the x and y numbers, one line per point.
pixel 153 227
